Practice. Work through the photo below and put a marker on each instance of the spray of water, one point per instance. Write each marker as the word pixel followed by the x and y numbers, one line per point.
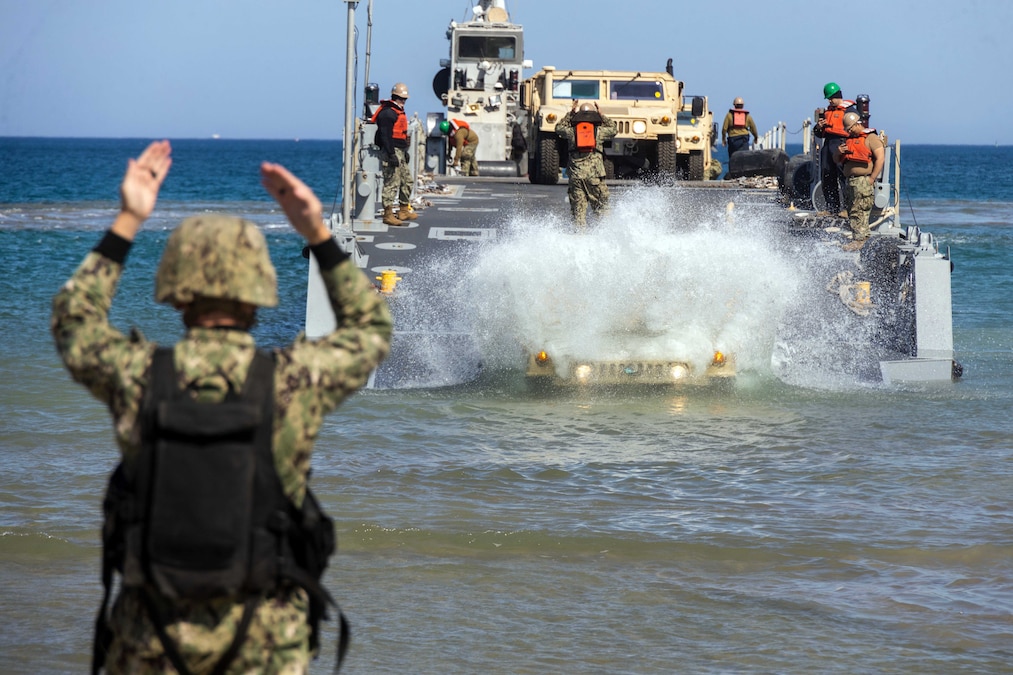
pixel 658 277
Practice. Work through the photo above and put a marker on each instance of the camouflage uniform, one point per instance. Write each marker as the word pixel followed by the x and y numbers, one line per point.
pixel 587 169
pixel 397 178
pixel 311 379
pixel 465 146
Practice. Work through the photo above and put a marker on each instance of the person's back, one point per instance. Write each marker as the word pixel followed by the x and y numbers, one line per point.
pixel 216 271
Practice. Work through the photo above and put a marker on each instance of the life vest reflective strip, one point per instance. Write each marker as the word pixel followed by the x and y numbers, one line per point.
pixel 834 118
pixel 739 117
pixel 584 135
pixel 400 124
pixel 857 150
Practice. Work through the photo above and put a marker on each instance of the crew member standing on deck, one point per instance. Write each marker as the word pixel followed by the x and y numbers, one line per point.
pixel 861 158
pixel 392 137
pixel 464 143
pixel 209 518
pixel 737 127
pixel 585 130
pixel 830 127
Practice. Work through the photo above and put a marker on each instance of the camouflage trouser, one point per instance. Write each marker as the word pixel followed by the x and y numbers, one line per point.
pixel 276 642
pixel 584 191
pixel 469 166
pixel 858 200
pixel 397 179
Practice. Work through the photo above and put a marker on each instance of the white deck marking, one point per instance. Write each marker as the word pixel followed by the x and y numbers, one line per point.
pixel 462 233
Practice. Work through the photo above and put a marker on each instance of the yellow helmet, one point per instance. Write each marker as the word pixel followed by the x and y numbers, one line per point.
pixel 851 119
pixel 400 90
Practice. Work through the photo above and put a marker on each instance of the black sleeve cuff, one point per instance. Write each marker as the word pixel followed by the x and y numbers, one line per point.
pixel 328 254
pixel 114 247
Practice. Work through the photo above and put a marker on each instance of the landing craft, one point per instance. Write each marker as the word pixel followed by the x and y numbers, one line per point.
pixel 740 280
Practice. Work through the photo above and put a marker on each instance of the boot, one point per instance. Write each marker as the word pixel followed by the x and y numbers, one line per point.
pixel 389 218
pixel 855 245
pixel 406 213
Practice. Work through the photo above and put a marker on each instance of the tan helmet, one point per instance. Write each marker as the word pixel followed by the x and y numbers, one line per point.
pixel 216 256
pixel 851 119
pixel 400 90
pixel 738 102
pixel 585 107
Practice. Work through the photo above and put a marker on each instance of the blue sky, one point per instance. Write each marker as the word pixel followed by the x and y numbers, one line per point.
pixel 937 72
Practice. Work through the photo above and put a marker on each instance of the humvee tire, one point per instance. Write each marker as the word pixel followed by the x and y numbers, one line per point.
pixel 666 160
pixel 695 165
pixel 546 165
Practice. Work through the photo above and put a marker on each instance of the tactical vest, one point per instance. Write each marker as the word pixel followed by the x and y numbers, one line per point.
pixel 739 117
pixel 200 512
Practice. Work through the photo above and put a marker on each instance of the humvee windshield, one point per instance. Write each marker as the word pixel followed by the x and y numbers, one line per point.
pixel 635 90
pixel 575 89
pixel 486 47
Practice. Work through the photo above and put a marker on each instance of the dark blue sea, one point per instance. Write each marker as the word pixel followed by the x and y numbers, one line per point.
pixel 774 527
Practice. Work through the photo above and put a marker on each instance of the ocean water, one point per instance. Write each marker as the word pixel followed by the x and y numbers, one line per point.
pixel 770 527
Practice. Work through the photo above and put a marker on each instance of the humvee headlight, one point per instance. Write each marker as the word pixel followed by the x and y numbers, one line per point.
pixel 640 127
pixel 665 119
pixel 541 358
pixel 719 358
pixel 679 372
pixel 582 372
pixel 695 139
pixel 551 117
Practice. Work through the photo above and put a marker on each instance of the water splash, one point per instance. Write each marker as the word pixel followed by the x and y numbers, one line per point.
pixel 662 276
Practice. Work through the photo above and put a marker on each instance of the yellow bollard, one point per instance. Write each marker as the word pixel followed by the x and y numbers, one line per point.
pixel 388 281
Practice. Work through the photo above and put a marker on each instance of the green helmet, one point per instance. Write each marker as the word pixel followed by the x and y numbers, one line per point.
pixel 216 256
pixel 445 126
pixel 830 89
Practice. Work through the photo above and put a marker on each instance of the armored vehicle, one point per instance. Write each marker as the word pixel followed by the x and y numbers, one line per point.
pixel 659 133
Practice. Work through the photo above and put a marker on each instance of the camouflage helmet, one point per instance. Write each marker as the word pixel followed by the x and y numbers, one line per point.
pixel 400 89
pixel 851 119
pixel 831 89
pixel 216 256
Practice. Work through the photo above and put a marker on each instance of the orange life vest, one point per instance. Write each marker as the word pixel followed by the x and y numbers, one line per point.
pixel 857 150
pixel 739 117
pixel 457 126
pixel 834 118
pixel 585 136
pixel 400 124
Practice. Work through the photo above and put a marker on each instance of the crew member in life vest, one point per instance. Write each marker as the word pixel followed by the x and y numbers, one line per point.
pixel 170 522
pixel 737 127
pixel 585 130
pixel 861 157
pixel 830 127
pixel 392 137
pixel 464 143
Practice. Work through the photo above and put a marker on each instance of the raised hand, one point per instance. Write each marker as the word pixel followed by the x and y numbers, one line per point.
pixel 296 199
pixel 143 179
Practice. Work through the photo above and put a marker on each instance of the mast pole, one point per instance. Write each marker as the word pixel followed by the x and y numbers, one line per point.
pixel 348 136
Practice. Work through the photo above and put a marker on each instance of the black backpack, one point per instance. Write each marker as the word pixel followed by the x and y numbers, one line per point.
pixel 200 512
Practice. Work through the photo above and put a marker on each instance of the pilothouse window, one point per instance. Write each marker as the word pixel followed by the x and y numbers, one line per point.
pixel 486 47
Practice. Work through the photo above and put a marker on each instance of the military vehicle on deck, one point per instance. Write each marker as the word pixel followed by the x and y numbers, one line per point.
pixel 659 132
